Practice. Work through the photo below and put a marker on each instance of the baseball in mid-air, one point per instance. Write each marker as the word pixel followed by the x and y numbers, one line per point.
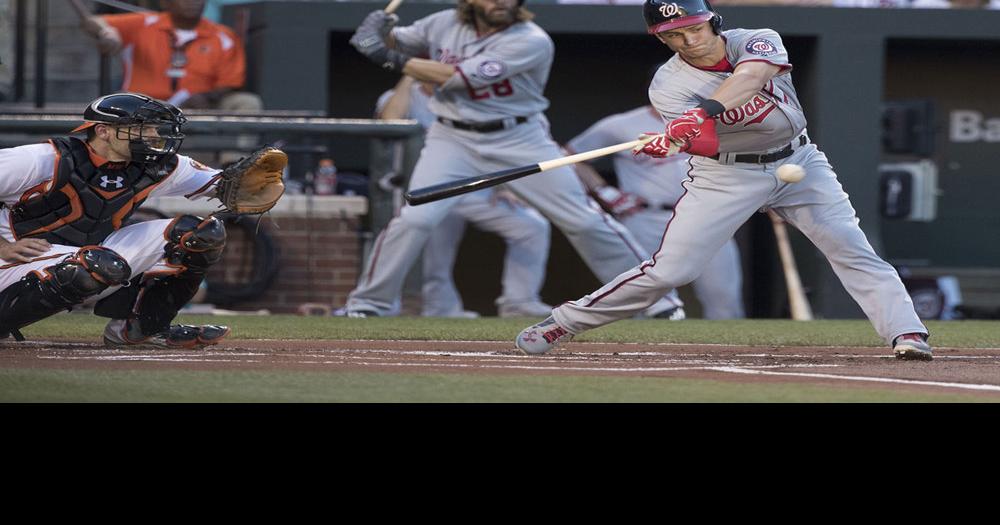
pixel 790 173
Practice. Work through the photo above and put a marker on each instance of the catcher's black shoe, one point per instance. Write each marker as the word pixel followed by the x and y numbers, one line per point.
pixel 119 332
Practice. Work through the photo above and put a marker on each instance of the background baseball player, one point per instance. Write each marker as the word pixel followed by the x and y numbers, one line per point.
pixel 490 64
pixel 524 230
pixel 62 238
pixel 728 100
pixel 648 189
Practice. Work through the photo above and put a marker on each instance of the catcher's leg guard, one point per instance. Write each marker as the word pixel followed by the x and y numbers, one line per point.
pixel 88 272
pixel 146 310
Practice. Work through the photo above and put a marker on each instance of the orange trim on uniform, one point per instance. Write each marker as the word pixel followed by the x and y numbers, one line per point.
pixel 188 234
pixel 95 158
pixel 76 211
pixel 36 259
pixel 119 216
pixel 107 194
pixel 77 258
pixel 83 127
pixel 55 170
pixel 38 189
pixel 169 227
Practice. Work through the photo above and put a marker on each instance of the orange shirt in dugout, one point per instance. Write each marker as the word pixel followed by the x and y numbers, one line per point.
pixel 158 64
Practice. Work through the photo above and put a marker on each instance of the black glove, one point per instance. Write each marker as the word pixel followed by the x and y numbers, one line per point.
pixel 379 22
pixel 369 40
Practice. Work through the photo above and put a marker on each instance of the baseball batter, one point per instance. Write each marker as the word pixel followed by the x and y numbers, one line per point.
pixel 648 189
pixel 523 229
pixel 728 100
pixel 490 64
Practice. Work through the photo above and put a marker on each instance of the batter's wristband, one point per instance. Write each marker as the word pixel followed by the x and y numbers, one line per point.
pixel 712 107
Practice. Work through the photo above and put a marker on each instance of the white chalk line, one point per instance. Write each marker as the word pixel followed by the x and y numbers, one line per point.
pixel 761 370
pixel 708 365
pixel 965 386
pixel 547 368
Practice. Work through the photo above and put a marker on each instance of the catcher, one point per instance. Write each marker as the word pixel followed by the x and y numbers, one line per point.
pixel 62 239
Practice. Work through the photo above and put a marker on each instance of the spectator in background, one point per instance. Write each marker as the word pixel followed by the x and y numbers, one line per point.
pixel 177 56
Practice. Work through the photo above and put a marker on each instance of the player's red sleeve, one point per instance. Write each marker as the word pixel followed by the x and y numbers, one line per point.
pixel 232 69
pixel 129 25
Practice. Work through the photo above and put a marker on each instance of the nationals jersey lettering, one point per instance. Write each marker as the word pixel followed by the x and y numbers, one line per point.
pixel 769 119
pixel 499 75
pixel 753 112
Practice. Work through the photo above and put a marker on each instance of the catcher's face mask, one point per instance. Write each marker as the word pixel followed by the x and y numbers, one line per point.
pixel 153 134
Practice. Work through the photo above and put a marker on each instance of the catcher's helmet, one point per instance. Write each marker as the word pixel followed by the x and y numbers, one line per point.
pixel 664 15
pixel 137 116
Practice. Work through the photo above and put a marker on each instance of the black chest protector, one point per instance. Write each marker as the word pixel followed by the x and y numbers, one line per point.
pixel 85 203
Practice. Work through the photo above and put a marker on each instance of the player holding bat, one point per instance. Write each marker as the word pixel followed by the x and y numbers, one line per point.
pixel 490 64
pixel 727 99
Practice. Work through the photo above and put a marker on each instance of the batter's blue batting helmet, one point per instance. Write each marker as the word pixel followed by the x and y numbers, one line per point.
pixel 664 15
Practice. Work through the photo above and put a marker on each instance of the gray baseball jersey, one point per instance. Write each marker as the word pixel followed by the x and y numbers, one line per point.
pixel 754 125
pixel 497 76
pixel 500 75
pixel 720 195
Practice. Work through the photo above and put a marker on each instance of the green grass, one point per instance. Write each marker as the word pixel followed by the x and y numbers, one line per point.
pixel 764 332
pixel 18 385
pixel 44 385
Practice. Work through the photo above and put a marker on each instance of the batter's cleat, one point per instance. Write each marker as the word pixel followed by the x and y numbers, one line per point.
pixel 912 347
pixel 528 309
pixel 542 337
pixel 362 314
pixel 120 333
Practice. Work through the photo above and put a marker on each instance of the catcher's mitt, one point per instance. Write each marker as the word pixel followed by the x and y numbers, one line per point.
pixel 253 184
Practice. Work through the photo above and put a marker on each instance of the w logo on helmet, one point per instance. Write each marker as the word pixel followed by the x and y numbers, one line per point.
pixel 670 10
pixel 118 182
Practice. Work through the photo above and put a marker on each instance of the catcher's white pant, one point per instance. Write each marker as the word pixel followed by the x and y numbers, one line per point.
pixel 449 154
pixel 525 232
pixel 722 197
pixel 720 286
pixel 140 244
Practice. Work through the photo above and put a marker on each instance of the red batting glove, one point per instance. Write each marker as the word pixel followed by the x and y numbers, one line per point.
pixel 706 143
pixel 661 146
pixel 687 126
pixel 617 202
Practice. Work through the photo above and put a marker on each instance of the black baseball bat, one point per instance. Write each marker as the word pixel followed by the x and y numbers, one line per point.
pixel 467 185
